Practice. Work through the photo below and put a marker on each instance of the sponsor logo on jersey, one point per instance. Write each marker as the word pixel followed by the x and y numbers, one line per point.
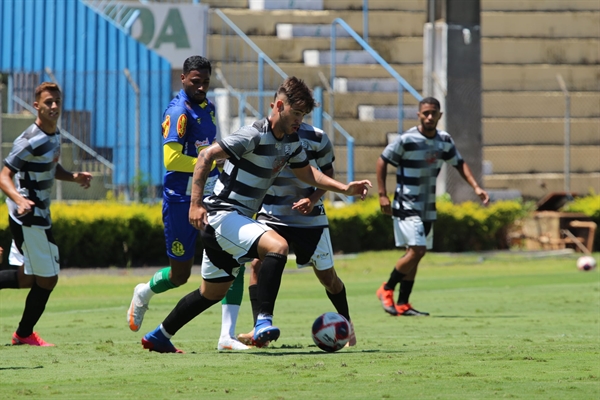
pixel 279 164
pixel 177 248
pixel 166 125
pixel 212 117
pixel 200 144
pixel 181 124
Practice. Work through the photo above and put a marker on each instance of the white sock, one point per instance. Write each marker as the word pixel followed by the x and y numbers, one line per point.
pixel 229 319
pixel 146 293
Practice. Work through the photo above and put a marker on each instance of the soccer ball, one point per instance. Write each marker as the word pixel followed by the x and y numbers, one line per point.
pixel 331 331
pixel 586 263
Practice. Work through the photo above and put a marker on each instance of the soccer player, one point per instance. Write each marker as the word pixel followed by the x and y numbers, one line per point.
pixel 305 227
pixel 188 127
pixel 255 155
pixel 27 177
pixel 418 155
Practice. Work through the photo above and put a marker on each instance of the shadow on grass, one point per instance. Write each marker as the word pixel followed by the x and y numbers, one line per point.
pixel 37 367
pixel 477 316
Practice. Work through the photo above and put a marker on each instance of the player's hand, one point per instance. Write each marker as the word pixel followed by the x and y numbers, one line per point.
pixel 305 206
pixel 198 217
pixel 384 203
pixel 358 188
pixel 24 206
pixel 84 179
pixel 483 195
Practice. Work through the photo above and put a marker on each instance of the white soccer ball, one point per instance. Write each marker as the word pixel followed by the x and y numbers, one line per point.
pixel 586 263
pixel 331 331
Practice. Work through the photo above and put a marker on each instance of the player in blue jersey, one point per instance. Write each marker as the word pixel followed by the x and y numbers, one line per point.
pixel 27 178
pixel 188 127
pixel 255 155
pixel 418 155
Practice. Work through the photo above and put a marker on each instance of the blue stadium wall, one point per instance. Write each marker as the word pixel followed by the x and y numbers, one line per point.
pixel 87 54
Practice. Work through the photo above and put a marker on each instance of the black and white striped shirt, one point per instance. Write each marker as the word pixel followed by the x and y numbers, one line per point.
pixel 33 159
pixel 418 161
pixel 256 157
pixel 287 189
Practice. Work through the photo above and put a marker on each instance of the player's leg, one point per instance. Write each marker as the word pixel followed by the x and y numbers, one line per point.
pixel 247 338
pixel 180 238
pixel 272 251
pixel 230 308
pixel 41 264
pixel 418 236
pixel 15 278
pixel 313 248
pixel 410 233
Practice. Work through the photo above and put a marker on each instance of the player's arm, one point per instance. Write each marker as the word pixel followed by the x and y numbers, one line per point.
pixel 84 179
pixel 465 172
pixel 306 205
pixel 316 178
pixel 7 185
pixel 175 160
pixel 384 201
pixel 206 158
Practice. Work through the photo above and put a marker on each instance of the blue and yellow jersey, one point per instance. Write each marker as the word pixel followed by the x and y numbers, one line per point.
pixel 187 128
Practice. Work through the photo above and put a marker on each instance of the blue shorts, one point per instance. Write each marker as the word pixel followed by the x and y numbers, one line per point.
pixel 180 235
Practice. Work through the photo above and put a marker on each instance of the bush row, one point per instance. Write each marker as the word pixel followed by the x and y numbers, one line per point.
pixel 105 234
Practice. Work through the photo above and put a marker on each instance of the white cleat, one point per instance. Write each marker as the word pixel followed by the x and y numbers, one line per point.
pixel 137 309
pixel 229 343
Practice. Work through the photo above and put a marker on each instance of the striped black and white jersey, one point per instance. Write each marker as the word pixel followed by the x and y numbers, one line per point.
pixel 256 157
pixel 418 161
pixel 33 159
pixel 287 189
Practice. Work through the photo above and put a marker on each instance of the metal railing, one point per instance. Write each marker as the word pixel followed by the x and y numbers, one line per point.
pixel 402 83
pixel 262 58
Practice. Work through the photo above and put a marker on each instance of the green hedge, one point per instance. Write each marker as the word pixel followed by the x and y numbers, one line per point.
pixel 102 234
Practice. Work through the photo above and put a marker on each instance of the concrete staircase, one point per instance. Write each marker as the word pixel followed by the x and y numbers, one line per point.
pixel 525 45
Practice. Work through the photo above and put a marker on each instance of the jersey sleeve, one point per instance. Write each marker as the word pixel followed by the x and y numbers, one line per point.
pixel 325 156
pixel 393 152
pixel 174 125
pixel 242 141
pixel 20 154
pixel 451 155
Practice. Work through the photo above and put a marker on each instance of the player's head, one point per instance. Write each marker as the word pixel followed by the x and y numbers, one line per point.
pixel 292 101
pixel 195 78
pixel 429 114
pixel 48 103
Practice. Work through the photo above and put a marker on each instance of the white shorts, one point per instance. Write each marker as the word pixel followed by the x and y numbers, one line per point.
pixel 411 232
pixel 227 244
pixel 39 253
pixel 322 257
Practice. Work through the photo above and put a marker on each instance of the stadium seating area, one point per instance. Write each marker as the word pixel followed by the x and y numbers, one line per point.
pixel 524 46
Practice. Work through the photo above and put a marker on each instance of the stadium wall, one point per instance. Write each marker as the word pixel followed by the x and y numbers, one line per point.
pixel 86 54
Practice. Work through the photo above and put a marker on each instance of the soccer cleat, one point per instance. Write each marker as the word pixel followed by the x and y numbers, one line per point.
pixel 157 341
pixel 264 333
pixel 406 310
pixel 387 299
pixel 137 309
pixel 248 339
pixel 229 343
pixel 352 340
pixel 32 340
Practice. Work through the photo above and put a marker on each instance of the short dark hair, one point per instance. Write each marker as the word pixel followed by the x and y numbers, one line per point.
pixel 430 100
pixel 46 86
pixel 296 94
pixel 196 63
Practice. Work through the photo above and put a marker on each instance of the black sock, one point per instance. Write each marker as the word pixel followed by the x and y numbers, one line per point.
pixel 269 280
pixel 190 306
pixel 9 279
pixel 395 277
pixel 340 302
pixel 35 304
pixel 405 290
pixel 253 292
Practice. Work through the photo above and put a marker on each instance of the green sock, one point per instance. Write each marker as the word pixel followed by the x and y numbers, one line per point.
pixel 160 282
pixel 236 291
